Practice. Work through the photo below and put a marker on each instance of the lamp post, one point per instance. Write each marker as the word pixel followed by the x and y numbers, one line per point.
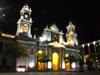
pixel 83 53
pixel 94 46
pixel 89 48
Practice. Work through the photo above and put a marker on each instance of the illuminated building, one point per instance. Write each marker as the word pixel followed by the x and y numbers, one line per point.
pixel 91 47
pixel 51 42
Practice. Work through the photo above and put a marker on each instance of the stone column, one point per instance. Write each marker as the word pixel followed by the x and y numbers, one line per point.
pixel 60 58
pixel 63 61
pixel 51 57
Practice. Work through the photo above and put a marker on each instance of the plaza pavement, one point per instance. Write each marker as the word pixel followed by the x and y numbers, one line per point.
pixel 53 73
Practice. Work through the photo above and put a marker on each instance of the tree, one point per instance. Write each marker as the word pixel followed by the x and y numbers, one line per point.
pixel 14 51
pixel 44 58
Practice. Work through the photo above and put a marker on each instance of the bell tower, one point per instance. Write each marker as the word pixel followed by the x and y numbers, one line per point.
pixel 71 35
pixel 25 22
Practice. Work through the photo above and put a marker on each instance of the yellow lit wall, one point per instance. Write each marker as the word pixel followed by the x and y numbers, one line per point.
pixel 68 65
pixel 8 35
pixel 40 65
pixel 55 61
pixel 85 57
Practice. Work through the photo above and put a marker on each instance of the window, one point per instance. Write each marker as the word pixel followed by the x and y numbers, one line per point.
pixel 25 28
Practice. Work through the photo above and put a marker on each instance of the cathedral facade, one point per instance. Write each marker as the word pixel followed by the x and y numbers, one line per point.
pixel 50 42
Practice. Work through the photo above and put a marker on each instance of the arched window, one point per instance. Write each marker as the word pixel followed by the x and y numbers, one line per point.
pixel 73 30
pixel 69 31
pixel 25 28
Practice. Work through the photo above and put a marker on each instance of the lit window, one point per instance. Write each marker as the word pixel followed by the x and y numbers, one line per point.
pixel 25 28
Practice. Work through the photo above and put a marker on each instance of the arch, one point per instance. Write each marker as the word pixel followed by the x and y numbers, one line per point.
pixel 67 62
pixel 25 28
pixel 73 31
pixel 69 31
pixel 40 65
pixel 55 61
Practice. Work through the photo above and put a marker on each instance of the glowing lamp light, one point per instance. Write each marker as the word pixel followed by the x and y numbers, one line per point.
pixel 73 65
pixel 26 16
pixel 42 39
pixel 31 65
pixel 49 65
pixel 21 69
pixel 94 42
pixel 96 45
pixel 66 55
pixel 96 60
pixel 88 44
pixel 83 45
pixel 3 15
pixel 40 52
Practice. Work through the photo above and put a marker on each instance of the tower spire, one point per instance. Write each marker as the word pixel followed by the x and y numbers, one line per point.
pixel 25 21
pixel 70 23
pixel 71 35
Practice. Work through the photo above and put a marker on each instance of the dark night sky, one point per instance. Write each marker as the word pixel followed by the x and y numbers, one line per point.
pixel 85 15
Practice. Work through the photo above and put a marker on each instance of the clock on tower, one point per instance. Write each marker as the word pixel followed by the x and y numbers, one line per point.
pixel 26 15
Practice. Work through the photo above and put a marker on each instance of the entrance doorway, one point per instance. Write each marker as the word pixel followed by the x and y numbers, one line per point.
pixel 40 65
pixel 67 62
pixel 55 61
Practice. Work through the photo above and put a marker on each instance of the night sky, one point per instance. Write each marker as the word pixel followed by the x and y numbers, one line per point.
pixel 85 15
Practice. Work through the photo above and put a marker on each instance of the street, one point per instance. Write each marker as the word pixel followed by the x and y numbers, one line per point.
pixel 53 73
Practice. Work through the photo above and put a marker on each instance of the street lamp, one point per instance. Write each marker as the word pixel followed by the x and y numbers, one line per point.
pixel 83 49
pixel 89 48
pixel 83 52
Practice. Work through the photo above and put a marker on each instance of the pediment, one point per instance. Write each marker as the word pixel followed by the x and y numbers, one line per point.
pixel 54 28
